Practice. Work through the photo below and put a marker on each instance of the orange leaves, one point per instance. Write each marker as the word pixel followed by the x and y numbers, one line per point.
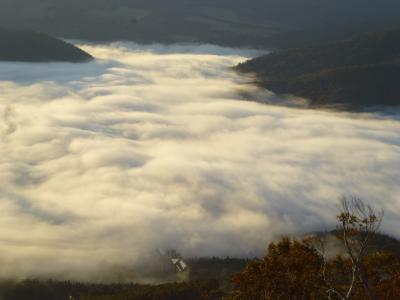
pixel 293 269
pixel 289 270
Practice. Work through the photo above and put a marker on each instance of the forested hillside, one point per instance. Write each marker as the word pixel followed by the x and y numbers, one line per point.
pixel 53 290
pixel 29 46
pixel 363 71
pixel 264 23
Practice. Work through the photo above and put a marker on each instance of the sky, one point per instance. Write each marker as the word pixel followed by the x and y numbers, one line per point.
pixel 159 147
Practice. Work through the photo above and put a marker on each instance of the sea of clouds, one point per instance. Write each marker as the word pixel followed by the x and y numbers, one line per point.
pixel 158 147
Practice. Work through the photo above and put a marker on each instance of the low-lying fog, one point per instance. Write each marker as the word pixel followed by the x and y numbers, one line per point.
pixel 156 147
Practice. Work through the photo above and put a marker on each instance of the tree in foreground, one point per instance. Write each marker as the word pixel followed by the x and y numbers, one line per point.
pixel 294 269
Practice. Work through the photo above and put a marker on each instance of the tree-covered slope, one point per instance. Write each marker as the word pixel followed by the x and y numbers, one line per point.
pixel 54 290
pixel 240 22
pixel 348 87
pixel 28 46
pixel 363 71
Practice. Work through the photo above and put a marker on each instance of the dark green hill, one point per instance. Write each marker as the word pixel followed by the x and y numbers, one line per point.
pixel 55 290
pixel 364 71
pixel 262 23
pixel 28 46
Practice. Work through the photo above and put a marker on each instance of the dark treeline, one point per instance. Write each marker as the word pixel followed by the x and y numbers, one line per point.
pixel 29 46
pixel 51 290
pixel 220 269
pixel 262 23
pixel 199 290
pixel 208 278
pixel 60 290
pixel 363 71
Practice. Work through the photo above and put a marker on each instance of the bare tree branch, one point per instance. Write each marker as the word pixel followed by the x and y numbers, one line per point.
pixel 358 223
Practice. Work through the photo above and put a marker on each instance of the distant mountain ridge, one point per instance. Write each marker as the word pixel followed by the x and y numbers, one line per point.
pixel 29 46
pixel 255 23
pixel 363 71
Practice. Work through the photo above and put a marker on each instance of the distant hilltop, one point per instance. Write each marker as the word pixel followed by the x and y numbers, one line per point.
pixel 356 73
pixel 243 23
pixel 29 46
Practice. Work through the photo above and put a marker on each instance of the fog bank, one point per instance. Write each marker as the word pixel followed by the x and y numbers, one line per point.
pixel 157 147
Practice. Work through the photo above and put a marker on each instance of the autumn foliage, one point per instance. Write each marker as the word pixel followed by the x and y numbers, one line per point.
pixel 299 269
pixel 295 270
pixel 290 270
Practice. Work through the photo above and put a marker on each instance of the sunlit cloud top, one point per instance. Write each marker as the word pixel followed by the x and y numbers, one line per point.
pixel 157 147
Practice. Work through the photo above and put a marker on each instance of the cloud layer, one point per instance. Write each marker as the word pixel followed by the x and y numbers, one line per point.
pixel 158 147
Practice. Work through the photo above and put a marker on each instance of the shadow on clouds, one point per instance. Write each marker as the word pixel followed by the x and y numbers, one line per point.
pixel 157 147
